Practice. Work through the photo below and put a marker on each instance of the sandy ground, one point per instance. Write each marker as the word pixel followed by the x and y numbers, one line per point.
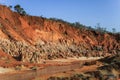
pixel 50 67
pixel 77 59
pixel 55 61
pixel 69 60
pixel 6 70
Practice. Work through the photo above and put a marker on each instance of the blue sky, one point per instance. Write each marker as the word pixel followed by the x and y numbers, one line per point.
pixel 87 12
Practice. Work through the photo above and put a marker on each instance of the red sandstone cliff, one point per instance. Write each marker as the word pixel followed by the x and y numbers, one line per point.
pixel 32 30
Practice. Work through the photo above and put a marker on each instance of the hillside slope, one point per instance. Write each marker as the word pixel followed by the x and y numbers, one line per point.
pixel 31 38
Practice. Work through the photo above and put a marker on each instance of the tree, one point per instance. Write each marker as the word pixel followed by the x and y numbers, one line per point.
pixel 78 25
pixel 24 13
pixel 10 7
pixel 113 30
pixel 100 29
pixel 20 10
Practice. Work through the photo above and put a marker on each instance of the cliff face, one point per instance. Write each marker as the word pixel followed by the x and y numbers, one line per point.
pixel 48 38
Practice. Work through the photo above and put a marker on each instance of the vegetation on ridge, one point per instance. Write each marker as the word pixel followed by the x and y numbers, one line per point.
pixel 78 25
pixel 19 9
